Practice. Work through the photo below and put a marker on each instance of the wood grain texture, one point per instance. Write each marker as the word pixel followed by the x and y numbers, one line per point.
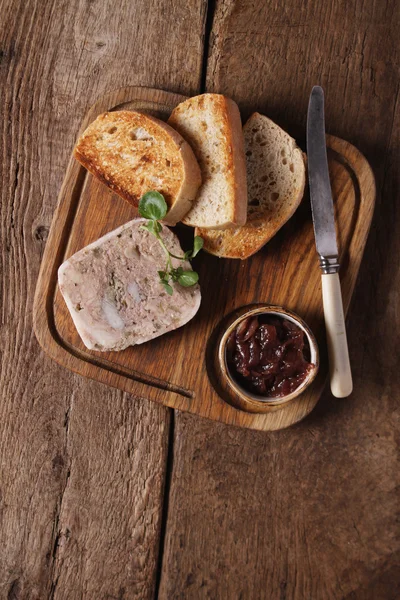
pixel 87 210
pixel 311 512
pixel 109 521
pixel 224 539
pixel 304 513
pixel 82 466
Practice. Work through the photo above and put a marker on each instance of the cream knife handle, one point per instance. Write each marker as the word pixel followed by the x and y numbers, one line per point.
pixel 339 362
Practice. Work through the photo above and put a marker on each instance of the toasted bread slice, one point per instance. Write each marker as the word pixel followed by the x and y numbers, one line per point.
pixel 133 153
pixel 276 178
pixel 212 126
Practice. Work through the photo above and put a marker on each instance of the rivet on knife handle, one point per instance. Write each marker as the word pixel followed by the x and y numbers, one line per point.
pixel 325 237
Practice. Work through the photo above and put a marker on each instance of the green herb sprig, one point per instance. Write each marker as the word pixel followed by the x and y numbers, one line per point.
pixel 152 206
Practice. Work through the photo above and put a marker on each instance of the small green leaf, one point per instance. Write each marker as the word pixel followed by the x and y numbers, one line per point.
pixel 167 288
pixel 198 243
pixel 188 278
pixel 176 273
pixel 152 205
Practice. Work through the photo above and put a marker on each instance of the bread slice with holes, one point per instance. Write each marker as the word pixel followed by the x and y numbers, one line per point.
pixel 133 153
pixel 212 126
pixel 276 178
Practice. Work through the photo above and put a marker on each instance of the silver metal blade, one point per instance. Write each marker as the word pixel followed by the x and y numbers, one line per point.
pixel 318 174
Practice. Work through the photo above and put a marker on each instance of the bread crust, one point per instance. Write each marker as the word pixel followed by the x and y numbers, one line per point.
pixel 239 177
pixel 226 118
pixel 158 159
pixel 243 242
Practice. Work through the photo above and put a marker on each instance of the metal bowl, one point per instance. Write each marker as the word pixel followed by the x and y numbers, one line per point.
pixel 247 399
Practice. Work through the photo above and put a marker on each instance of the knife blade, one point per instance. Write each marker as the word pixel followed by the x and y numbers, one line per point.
pixel 326 243
pixel 320 187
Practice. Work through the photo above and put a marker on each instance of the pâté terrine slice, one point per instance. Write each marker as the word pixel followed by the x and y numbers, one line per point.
pixel 113 292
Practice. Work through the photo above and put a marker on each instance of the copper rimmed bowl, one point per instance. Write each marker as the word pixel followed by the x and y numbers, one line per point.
pixel 246 399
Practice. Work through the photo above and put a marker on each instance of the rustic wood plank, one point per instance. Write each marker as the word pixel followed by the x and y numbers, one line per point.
pixel 309 512
pixel 82 466
pixel 109 523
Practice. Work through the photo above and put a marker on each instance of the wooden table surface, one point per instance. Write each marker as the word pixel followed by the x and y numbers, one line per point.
pixel 104 496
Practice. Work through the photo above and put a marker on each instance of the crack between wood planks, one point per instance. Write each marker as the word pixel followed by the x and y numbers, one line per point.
pixel 166 497
pixel 56 535
pixel 207 29
pixel 208 26
pixel 223 9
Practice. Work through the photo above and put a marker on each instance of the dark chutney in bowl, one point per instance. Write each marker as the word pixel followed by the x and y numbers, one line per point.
pixel 268 355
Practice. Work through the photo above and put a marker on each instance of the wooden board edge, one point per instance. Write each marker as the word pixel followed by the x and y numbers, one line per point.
pixel 361 168
pixel 353 159
pixel 48 270
pixel 113 99
pixel 66 359
pixel 147 391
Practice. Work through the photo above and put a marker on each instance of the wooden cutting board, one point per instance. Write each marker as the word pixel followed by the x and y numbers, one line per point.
pixel 177 369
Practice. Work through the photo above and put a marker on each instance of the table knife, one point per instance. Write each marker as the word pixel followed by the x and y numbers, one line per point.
pixel 325 237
